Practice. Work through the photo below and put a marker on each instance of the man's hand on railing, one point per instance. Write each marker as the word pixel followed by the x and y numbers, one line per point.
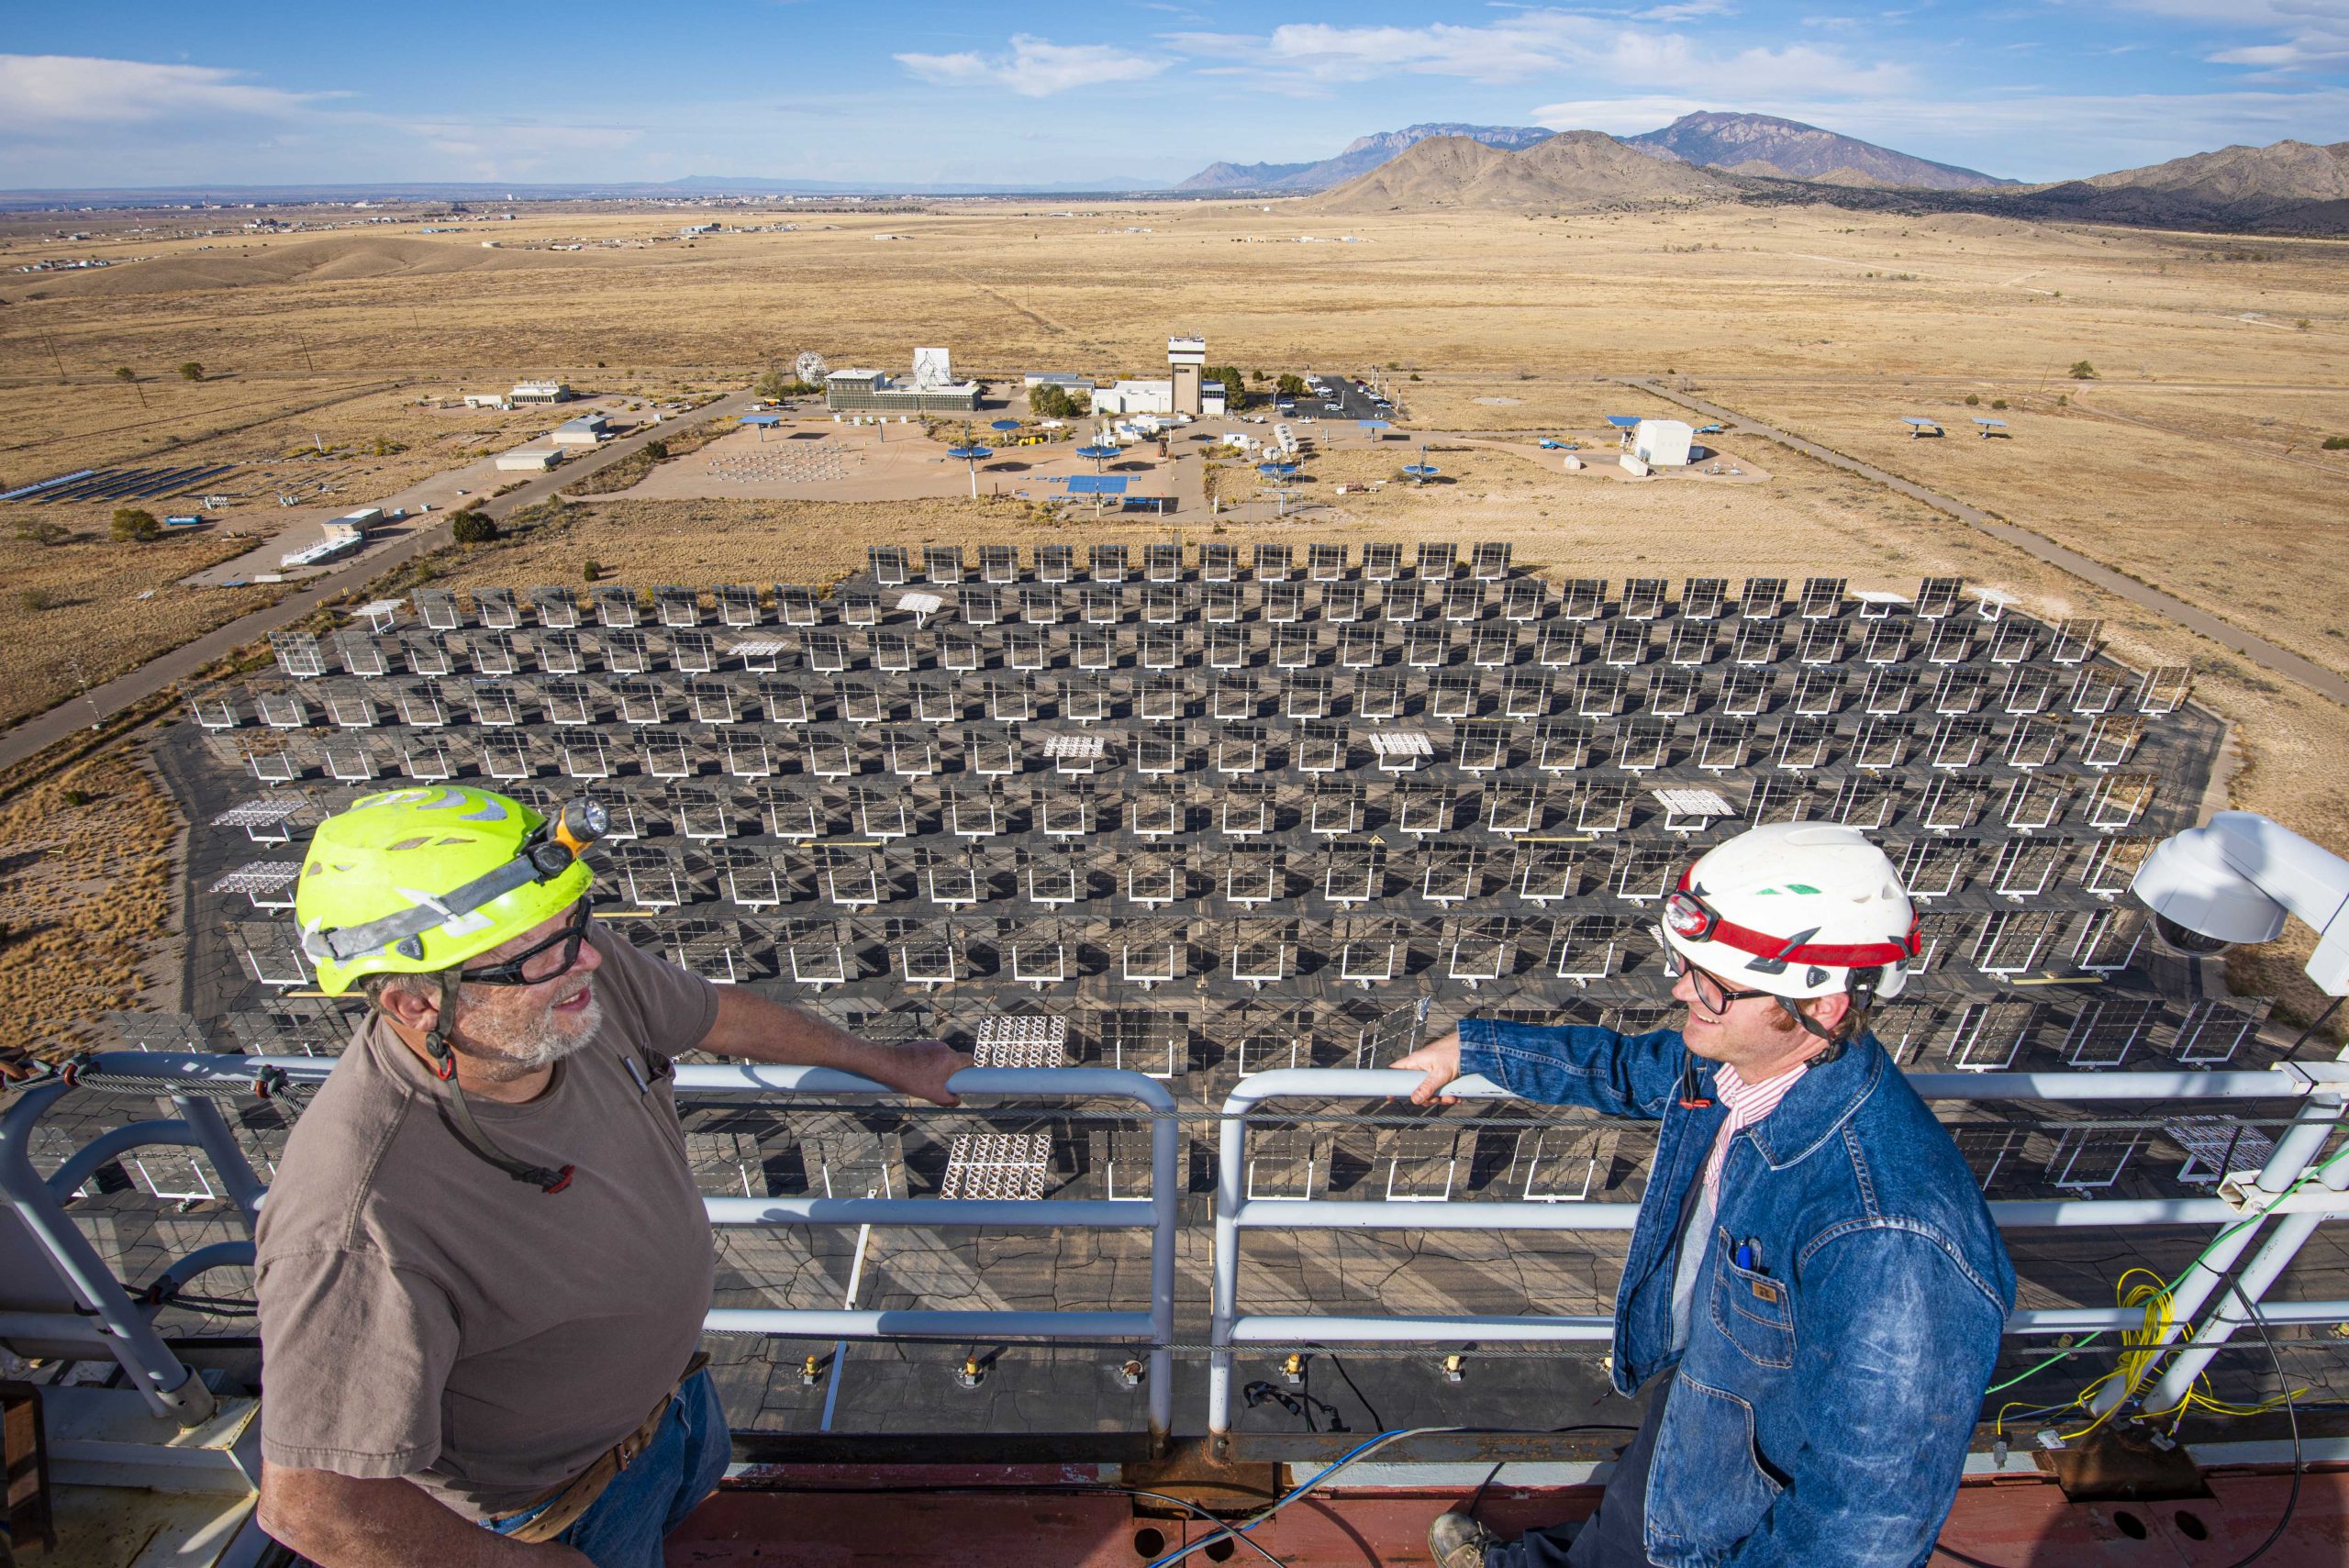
pixel 1441 1063
pixel 918 1067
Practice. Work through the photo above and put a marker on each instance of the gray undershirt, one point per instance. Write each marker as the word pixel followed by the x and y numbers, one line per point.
pixel 1696 1230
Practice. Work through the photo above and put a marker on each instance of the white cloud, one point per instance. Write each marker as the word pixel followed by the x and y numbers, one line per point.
pixel 58 92
pixel 1535 44
pixel 1618 116
pixel 1036 68
pixel 2315 34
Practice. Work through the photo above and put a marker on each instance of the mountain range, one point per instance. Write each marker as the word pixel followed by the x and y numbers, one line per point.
pixel 1768 146
pixel 1359 156
pixel 1760 145
pixel 2289 187
pixel 1579 170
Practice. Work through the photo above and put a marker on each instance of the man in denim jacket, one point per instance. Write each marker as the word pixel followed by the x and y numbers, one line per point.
pixel 1814 1291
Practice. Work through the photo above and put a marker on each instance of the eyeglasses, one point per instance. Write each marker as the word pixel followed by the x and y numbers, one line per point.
pixel 513 971
pixel 1712 993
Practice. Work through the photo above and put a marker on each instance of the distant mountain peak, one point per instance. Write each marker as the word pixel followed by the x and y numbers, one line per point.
pixel 1575 170
pixel 1719 140
pixel 1357 157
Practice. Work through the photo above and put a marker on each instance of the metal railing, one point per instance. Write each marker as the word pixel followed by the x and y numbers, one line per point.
pixel 2320 1088
pixel 106 1318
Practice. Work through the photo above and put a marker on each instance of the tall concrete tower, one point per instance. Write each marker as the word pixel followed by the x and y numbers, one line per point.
pixel 1187 359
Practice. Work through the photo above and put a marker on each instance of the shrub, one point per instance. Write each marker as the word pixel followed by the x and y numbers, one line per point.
pixel 34 600
pixel 191 371
pixel 471 527
pixel 657 451
pixel 1415 375
pixel 2063 400
pixel 43 532
pixel 1973 400
pixel 2336 444
pixel 2083 371
pixel 131 523
pixel 1997 403
pixel 589 571
pixel 1050 402
pixel 74 796
pixel 124 372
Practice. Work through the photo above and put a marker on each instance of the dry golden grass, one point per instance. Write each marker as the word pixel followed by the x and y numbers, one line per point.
pixel 87 889
pixel 96 614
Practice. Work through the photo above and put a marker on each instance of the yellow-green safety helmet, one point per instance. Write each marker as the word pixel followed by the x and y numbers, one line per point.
pixel 414 881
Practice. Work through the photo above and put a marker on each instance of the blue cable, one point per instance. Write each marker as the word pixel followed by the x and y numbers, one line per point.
pixel 1343 1460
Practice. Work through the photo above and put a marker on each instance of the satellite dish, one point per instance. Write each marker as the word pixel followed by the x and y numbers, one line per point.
pixel 809 368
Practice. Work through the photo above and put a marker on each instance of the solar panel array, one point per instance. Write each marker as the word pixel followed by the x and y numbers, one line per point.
pixel 123 484
pixel 1198 813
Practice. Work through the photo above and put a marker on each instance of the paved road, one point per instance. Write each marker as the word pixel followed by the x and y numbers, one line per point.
pixel 2269 656
pixel 67 718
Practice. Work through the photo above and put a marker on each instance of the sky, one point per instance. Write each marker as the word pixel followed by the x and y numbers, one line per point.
pixel 1111 92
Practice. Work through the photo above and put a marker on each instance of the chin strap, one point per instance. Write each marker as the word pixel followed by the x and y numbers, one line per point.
pixel 458 1116
pixel 1861 988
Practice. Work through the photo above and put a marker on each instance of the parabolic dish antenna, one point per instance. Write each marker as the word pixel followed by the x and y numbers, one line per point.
pixel 809 368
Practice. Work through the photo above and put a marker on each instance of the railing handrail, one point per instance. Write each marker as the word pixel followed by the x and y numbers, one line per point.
pixel 2319 1086
pixel 190 1079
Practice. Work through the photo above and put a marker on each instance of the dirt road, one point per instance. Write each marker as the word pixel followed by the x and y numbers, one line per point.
pixel 46 730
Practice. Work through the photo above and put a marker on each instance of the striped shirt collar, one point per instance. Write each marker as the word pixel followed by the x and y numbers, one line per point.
pixel 1747 1103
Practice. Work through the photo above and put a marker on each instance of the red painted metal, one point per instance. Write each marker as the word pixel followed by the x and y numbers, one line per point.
pixel 1060 1516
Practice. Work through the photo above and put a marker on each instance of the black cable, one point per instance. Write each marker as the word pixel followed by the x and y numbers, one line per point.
pixel 2294 1054
pixel 2291 1415
pixel 1220 1524
pixel 1476 1497
pixel 2284 1383
pixel 1378 1422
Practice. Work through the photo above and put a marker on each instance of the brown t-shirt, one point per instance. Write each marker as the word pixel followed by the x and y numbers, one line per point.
pixel 423 1314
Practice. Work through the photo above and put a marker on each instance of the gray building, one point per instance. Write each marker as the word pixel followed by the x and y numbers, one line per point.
pixel 873 392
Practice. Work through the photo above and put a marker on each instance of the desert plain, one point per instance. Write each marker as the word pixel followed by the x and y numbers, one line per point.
pixel 2167 397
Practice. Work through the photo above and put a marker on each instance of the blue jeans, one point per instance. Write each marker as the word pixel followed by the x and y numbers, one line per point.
pixel 678 1468
pixel 1614 1537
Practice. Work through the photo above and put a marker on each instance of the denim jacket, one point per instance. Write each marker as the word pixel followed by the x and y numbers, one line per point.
pixel 1827 1394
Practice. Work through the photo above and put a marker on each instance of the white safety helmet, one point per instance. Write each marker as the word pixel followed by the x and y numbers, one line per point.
pixel 1796 909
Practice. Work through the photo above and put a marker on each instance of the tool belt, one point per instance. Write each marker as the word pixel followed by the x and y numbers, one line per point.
pixel 561 1508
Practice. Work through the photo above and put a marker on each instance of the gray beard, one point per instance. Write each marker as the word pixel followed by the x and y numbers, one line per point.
pixel 552 1038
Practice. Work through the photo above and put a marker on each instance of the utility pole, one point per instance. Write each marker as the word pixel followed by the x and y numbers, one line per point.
pixel 97 719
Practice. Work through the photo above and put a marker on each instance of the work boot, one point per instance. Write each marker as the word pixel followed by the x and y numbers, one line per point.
pixel 1458 1542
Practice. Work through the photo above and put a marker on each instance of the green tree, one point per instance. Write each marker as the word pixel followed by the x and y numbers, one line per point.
pixel 1046 401
pixel 2083 371
pixel 590 570
pixel 191 372
pixel 135 526
pixel 1290 384
pixel 472 528
pixel 777 383
pixel 658 451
